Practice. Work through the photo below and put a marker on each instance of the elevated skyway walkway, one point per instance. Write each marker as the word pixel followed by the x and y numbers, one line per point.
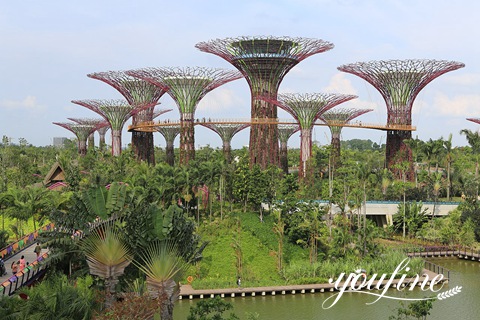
pixel 150 126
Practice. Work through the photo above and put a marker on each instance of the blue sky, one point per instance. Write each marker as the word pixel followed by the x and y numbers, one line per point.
pixel 47 48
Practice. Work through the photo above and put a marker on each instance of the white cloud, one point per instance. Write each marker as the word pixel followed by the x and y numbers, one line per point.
pixel 340 84
pixel 29 103
pixel 460 105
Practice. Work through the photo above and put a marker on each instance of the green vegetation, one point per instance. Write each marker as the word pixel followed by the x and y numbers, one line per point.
pixel 260 225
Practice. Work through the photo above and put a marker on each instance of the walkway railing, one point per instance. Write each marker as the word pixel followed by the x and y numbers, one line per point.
pixel 437 269
pixel 24 242
pixel 21 278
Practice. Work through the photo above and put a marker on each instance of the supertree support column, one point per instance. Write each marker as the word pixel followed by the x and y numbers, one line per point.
pixel 285 131
pixel 226 132
pixel 101 132
pixel 399 82
pixel 335 119
pixel 98 123
pixel 264 61
pixel 116 112
pixel 138 93
pixel 186 86
pixel 306 108
pixel 169 133
pixel 82 131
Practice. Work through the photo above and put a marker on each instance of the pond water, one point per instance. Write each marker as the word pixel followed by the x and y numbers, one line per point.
pixel 352 305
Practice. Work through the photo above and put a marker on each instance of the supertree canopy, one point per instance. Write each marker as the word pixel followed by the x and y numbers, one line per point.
pixel 138 93
pixel 264 61
pixel 186 86
pixel 98 123
pixel 399 82
pixel 285 131
pixel 306 108
pixel 169 133
pixel 116 112
pixel 226 131
pixel 335 119
pixel 82 131
pixel 476 120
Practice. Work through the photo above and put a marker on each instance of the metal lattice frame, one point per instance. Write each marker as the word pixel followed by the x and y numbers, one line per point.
pixel 99 123
pixel 285 131
pixel 81 131
pixel 476 120
pixel 306 108
pixel 169 133
pixel 226 133
pixel 116 112
pixel 264 62
pixel 335 118
pixel 187 86
pixel 399 82
pixel 138 93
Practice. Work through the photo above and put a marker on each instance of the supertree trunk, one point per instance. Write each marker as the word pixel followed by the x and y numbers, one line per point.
pixel 284 156
pixel 335 148
pixel 101 140
pixel 397 151
pixel 305 151
pixel 263 143
pixel 82 147
pixel 91 141
pixel 170 154
pixel 227 151
pixel 187 138
pixel 116 143
pixel 143 146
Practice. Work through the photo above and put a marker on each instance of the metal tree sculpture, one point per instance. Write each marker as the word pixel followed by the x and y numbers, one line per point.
pixel 476 120
pixel 169 133
pixel 306 108
pixel 186 86
pixel 264 61
pixel 82 131
pixel 116 112
pixel 399 82
pixel 226 131
pixel 138 93
pixel 285 131
pixel 98 123
pixel 335 119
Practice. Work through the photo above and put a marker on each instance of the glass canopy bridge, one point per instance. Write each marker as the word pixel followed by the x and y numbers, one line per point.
pixel 150 126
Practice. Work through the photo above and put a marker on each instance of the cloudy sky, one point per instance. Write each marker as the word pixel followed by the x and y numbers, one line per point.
pixel 48 47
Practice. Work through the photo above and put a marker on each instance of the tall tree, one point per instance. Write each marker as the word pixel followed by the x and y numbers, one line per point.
pixel 473 139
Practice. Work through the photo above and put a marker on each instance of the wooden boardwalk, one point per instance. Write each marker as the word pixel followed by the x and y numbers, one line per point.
pixel 187 292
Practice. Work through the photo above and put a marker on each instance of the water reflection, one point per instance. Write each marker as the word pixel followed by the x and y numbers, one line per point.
pixel 352 305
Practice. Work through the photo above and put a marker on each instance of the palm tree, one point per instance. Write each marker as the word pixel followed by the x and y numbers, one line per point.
pixel 447 145
pixel 107 256
pixel 473 139
pixel 163 267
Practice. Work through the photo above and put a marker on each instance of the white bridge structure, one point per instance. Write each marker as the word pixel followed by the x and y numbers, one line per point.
pixel 382 211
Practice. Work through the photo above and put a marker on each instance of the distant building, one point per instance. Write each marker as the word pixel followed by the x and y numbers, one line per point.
pixel 59 142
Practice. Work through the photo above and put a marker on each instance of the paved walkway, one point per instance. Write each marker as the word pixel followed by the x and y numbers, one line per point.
pixel 30 256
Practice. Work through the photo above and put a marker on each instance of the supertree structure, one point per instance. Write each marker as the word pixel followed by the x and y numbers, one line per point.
pixel 264 62
pixel 335 119
pixel 306 108
pixel 81 131
pixel 138 93
pixel 399 82
pixel 187 86
pixel 98 123
pixel 102 132
pixel 226 131
pixel 169 133
pixel 116 112
pixel 285 131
